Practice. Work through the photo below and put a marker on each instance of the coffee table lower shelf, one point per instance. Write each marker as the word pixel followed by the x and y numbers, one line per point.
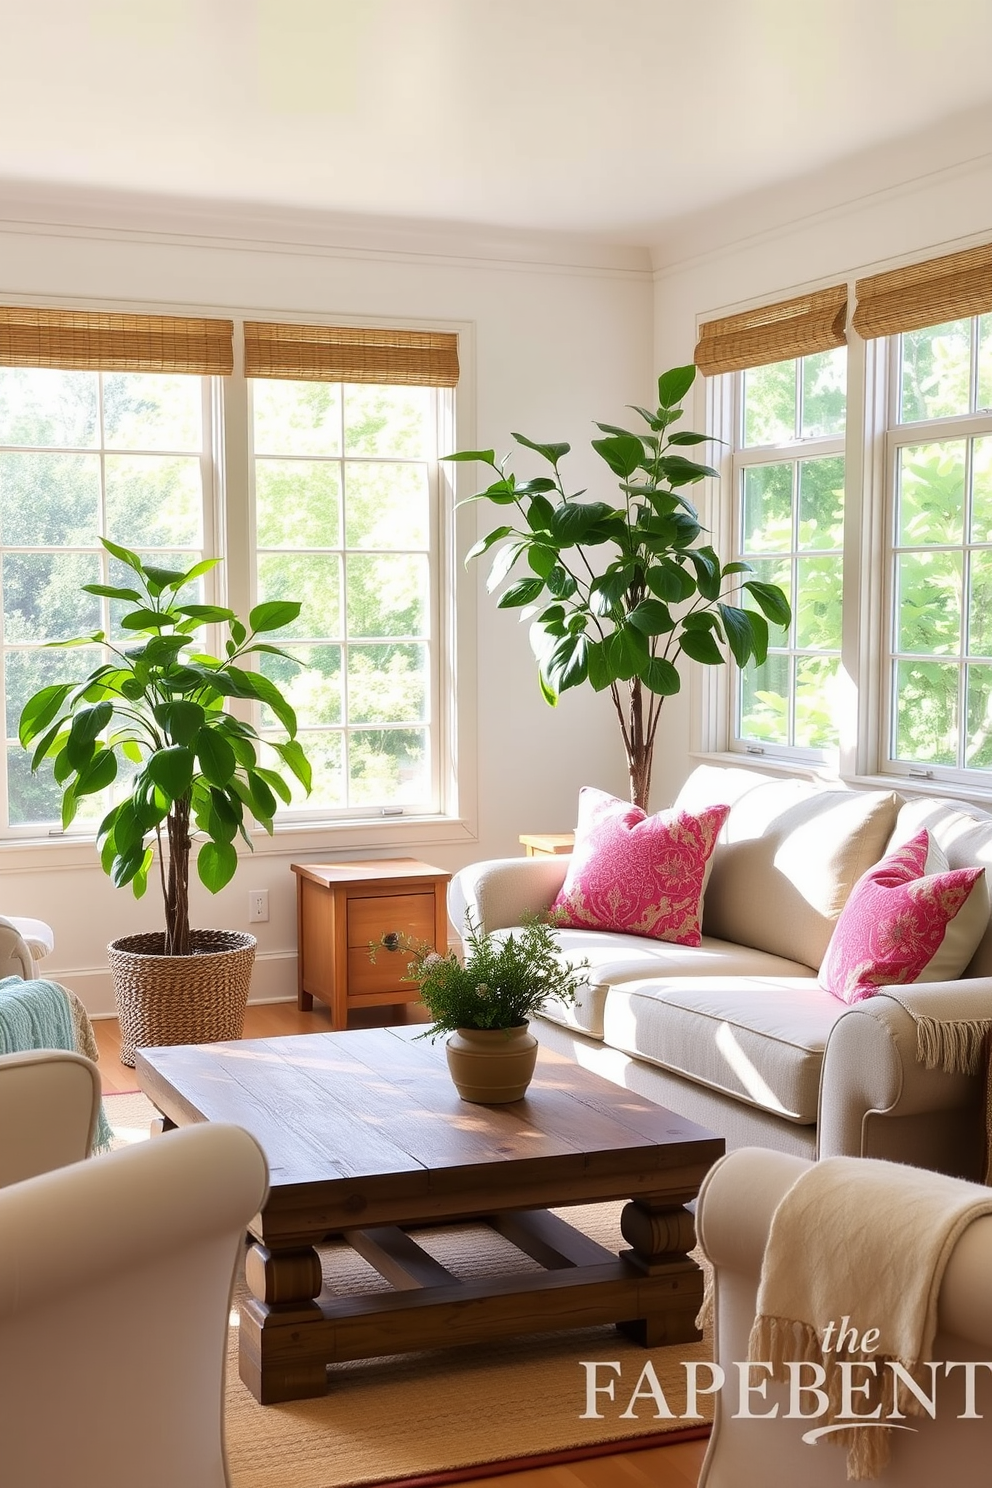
pixel 290 1333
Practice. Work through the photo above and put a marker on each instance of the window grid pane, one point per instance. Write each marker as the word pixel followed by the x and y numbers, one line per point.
pixel 935 372
pixel 345 523
pixel 84 455
pixel 791 532
pixel 942 551
pixel 770 400
pixel 942 613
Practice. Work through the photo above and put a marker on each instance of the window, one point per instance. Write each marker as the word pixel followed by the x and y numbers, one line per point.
pixel 346 519
pixel 105 431
pixel 121 426
pixel 347 426
pixel 881 473
pixel 85 455
pixel 789 481
pixel 939 474
pixel 783 416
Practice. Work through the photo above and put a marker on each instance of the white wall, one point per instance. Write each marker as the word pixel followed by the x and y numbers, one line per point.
pixel 562 337
pixel 915 199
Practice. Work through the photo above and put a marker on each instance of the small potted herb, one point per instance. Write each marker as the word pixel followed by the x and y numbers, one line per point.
pixel 484 1003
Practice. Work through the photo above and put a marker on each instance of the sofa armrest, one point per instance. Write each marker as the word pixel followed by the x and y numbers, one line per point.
pixel 500 892
pixel 872 1073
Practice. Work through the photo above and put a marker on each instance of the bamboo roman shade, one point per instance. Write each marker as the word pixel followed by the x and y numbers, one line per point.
pixel 86 340
pixel 315 353
pixel 774 333
pixel 925 294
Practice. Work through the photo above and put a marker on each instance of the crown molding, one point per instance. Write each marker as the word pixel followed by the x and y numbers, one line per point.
pixel 861 182
pixel 50 210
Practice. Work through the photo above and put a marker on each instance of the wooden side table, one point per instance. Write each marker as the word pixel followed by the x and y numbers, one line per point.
pixel 341 907
pixel 547 844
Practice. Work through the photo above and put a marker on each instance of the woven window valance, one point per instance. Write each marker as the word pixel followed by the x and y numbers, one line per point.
pixel 925 294
pixel 314 353
pixel 774 333
pixel 91 341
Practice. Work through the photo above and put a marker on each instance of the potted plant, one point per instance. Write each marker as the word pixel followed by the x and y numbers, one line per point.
pixel 484 1003
pixel 618 591
pixel 158 706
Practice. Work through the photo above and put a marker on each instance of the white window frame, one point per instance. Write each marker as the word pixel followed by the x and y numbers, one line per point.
pixel 443 407
pixel 212 584
pixel 743 457
pixel 871 435
pixel 228 529
pixel 896 436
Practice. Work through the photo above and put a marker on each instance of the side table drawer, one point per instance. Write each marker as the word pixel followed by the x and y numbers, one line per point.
pixel 342 909
pixel 369 919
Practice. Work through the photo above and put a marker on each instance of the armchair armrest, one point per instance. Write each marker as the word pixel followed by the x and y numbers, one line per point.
pixel 878 1100
pixel 500 892
pixel 15 953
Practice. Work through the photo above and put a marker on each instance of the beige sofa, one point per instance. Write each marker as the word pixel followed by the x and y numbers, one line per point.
pixel 735 1033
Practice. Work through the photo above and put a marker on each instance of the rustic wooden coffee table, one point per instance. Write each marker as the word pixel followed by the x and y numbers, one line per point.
pixel 366 1137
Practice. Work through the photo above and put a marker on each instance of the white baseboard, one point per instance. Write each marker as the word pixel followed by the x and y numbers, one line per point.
pixel 273 979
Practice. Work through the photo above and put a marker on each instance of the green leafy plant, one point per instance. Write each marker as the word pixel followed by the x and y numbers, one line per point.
pixel 503 980
pixel 159 706
pixel 619 591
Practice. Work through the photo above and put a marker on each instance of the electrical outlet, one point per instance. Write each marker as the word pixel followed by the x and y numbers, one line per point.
pixel 258 905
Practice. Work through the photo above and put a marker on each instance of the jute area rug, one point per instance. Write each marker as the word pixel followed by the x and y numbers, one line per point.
pixel 451 1414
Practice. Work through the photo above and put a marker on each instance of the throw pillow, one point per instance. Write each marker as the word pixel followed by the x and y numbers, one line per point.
pixel 637 873
pixel 908 919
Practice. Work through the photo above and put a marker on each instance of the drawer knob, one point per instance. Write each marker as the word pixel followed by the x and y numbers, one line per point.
pixel 391 940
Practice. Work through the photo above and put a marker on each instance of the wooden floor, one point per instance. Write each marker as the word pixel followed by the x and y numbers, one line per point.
pixel 655 1467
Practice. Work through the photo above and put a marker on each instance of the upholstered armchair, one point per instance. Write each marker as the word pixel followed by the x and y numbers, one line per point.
pixel 23 943
pixel 734 1216
pixel 115 1286
pixel 49 1109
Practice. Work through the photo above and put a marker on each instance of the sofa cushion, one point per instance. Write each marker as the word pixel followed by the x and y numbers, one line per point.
pixel 909 919
pixel 788 857
pixel 615 958
pixel 632 872
pixel 758 1039
pixel 964 833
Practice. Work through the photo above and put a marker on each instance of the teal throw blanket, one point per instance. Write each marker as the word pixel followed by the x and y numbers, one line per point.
pixel 37 1015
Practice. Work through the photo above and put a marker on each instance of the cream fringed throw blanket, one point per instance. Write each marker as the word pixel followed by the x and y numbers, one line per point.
pixel 865 1241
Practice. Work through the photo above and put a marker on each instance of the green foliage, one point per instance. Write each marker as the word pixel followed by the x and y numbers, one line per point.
pixel 619 590
pixel 936 366
pixel 158 704
pixel 504 979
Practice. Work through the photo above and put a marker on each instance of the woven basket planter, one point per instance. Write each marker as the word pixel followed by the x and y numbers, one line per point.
pixel 197 999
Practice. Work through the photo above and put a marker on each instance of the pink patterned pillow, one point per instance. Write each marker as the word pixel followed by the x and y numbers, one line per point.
pixel 906 921
pixel 638 873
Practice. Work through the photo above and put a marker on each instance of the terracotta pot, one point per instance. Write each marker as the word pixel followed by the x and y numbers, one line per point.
pixel 491 1065
pixel 197 999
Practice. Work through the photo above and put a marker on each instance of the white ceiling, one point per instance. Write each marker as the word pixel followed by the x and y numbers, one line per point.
pixel 609 118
